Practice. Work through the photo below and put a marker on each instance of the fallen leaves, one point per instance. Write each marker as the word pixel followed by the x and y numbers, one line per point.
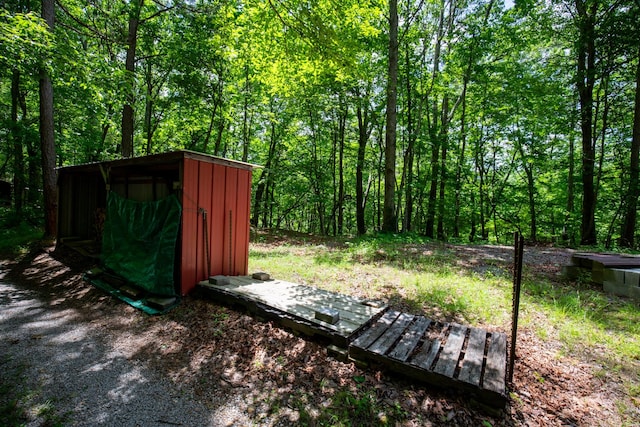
pixel 216 352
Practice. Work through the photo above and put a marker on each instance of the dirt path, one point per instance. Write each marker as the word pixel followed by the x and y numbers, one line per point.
pixel 67 372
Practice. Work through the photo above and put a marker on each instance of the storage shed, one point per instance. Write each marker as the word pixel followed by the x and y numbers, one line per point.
pixel 183 214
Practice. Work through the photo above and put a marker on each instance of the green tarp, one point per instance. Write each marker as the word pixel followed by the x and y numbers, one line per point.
pixel 139 241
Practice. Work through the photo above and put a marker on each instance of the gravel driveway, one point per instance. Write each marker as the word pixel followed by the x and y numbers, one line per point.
pixel 67 373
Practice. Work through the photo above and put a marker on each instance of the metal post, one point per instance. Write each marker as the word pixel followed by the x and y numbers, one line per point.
pixel 517 284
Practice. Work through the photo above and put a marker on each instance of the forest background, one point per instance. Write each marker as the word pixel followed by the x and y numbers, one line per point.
pixel 461 120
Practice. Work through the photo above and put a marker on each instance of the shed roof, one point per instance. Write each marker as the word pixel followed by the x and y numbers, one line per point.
pixel 159 159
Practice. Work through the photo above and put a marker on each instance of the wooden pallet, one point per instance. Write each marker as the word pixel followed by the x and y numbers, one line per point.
pixel 445 355
pixel 295 306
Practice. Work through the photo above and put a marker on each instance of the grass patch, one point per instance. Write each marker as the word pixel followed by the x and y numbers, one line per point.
pixel 400 270
pixel 587 320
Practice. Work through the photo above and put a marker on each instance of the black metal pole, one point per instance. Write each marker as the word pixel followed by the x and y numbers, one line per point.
pixel 517 284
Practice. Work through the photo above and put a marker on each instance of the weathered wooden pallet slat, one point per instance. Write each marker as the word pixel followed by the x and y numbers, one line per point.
pixel 474 357
pixel 377 329
pixel 450 354
pixel 495 370
pixel 427 355
pixel 410 339
pixel 391 335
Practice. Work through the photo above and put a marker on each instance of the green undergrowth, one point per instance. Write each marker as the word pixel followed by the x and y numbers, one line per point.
pixel 586 320
pixel 16 235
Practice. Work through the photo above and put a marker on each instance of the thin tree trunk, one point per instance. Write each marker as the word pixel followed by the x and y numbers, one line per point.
pixel 433 189
pixel 260 203
pixel 409 154
pixel 463 147
pixel 585 84
pixel 217 148
pixel 627 237
pixel 364 130
pixel 342 127
pixel 148 109
pixel 433 130
pixel 34 169
pixel 47 141
pixel 207 138
pixel 130 69
pixel 567 230
pixel 17 137
pixel 390 221
pixel 245 117
pixel 444 141
pixel 217 102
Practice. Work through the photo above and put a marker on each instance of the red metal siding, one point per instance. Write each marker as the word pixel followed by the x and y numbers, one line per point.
pixel 230 211
pixel 242 226
pixel 224 193
pixel 188 244
pixel 217 217
pixel 205 176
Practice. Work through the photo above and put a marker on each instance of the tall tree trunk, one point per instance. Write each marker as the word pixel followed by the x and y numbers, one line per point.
pixel 531 190
pixel 433 189
pixel 47 141
pixel 364 130
pixel 585 83
pixel 409 153
pixel 389 219
pixel 130 69
pixel 473 230
pixel 631 206
pixel 207 138
pixel 34 169
pixel 148 109
pixel 444 142
pixel 17 137
pixel 567 228
pixel 460 163
pixel 260 203
pixel 217 148
pixel 245 116
pixel 483 209
pixel 434 135
pixel 341 132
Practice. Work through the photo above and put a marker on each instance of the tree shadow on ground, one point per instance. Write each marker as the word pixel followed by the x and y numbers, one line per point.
pixel 226 358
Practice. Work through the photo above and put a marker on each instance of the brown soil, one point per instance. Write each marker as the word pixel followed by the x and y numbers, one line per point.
pixel 212 351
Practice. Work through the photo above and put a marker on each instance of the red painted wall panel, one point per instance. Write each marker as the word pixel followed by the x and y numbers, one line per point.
pixel 217 218
pixel 242 224
pixel 188 243
pixel 205 176
pixel 231 214
pixel 225 193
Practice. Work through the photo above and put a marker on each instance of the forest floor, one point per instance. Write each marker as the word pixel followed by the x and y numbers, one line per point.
pixel 218 354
